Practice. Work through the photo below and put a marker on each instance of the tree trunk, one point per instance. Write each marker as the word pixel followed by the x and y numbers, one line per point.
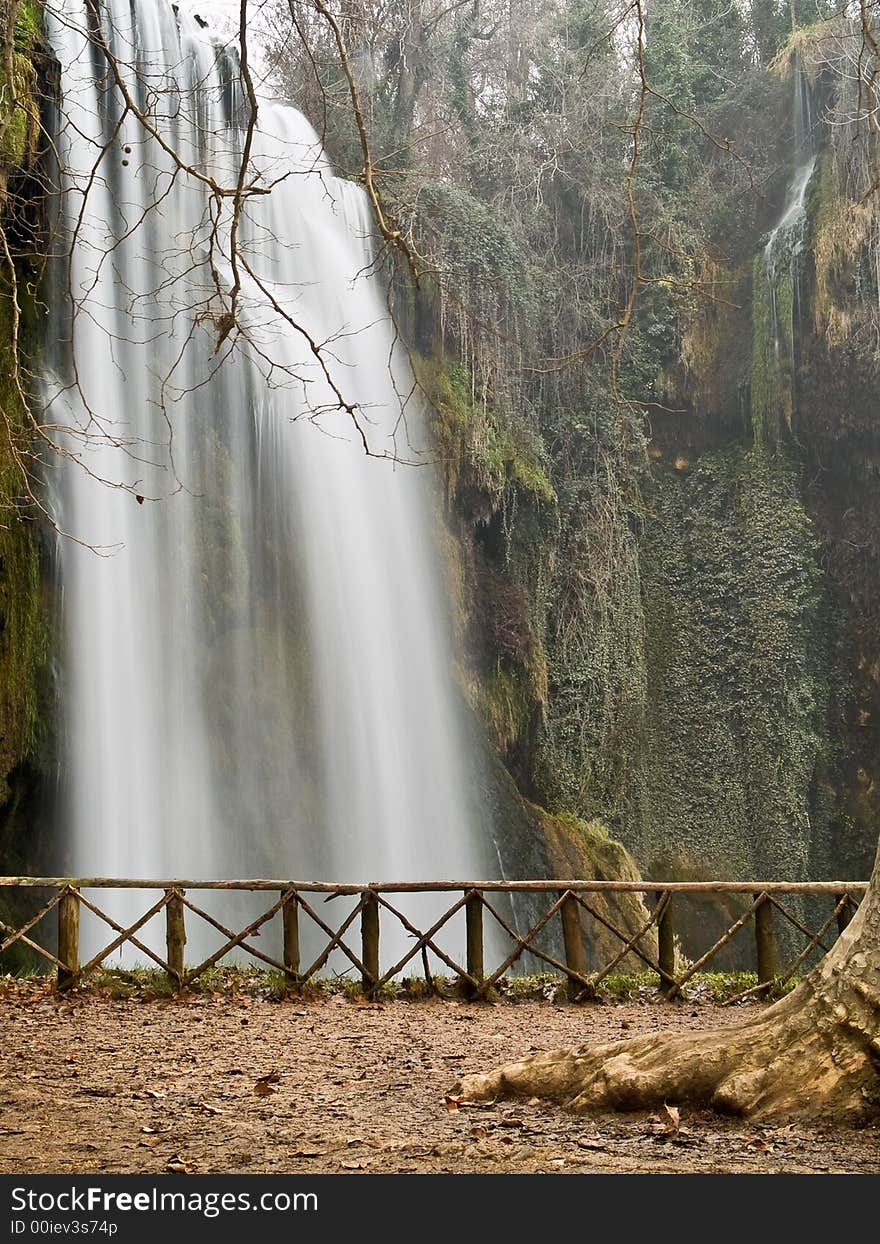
pixel 816 1052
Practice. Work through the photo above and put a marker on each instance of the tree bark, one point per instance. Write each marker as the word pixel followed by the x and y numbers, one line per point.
pixel 817 1052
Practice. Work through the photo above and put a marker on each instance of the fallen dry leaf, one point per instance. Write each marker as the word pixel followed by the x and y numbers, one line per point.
pixel 267 1085
pixel 673 1116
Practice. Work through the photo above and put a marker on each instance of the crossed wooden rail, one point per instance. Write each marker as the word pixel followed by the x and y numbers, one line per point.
pixel 569 899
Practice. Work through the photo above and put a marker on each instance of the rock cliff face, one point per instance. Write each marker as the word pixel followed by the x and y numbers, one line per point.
pixel 711 695
pixel 25 693
pixel 759 556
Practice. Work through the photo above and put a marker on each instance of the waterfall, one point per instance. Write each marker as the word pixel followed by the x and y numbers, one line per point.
pixel 257 662
pixel 777 281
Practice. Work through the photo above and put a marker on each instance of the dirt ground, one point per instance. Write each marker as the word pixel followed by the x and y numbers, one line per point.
pixel 219 1085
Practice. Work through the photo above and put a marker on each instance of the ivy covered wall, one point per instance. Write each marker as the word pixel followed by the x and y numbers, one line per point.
pixel 745 683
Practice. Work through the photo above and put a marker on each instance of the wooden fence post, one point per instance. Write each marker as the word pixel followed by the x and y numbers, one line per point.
pixel 68 938
pixel 573 941
pixel 473 911
pixel 765 944
pixel 290 924
pixel 666 943
pixel 846 912
pixel 175 937
pixel 370 941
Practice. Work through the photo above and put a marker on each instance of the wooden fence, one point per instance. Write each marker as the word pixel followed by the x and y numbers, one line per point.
pixel 571 903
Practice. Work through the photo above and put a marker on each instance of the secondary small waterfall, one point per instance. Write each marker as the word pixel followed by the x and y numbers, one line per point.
pixel 777 281
pixel 257 676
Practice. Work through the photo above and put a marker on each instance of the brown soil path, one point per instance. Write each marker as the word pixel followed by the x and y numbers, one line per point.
pixel 220 1085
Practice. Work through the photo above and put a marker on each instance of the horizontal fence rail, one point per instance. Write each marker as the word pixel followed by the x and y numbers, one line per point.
pixel 568 911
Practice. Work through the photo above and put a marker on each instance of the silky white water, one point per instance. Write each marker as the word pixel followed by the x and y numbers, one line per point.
pixel 257 667
pixel 783 263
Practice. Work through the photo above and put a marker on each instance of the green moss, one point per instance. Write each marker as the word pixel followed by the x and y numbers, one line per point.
pixel 23 627
pixel 505 704
pixel 19 109
pixel 585 850
pixel 24 645
pixel 25 692
pixel 527 474
pixel 825 208
pixel 503 515
pixel 480 450
pixel 28 25
pixel 773 341
pixel 742 670
pixel 597 676
pixel 586 847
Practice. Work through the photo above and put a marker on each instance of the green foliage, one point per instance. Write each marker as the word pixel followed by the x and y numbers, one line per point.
pixel 769 23
pixel 482 453
pixel 704 987
pixel 476 242
pixel 694 49
pixel 28 25
pixel 19 112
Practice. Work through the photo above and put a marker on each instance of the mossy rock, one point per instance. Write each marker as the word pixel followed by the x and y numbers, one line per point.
pixel 584 851
pixel 482 455
pixel 25 608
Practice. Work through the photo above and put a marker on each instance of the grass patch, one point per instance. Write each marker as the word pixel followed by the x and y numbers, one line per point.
pixel 236 982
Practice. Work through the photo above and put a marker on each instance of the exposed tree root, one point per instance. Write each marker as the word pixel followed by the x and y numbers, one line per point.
pixel 816 1052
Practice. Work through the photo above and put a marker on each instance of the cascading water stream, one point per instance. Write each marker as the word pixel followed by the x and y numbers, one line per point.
pixel 778 280
pixel 793 213
pixel 257 676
